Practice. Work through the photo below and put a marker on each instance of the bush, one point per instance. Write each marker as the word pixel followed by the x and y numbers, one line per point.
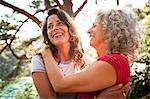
pixel 7 64
pixel 140 79
pixel 20 89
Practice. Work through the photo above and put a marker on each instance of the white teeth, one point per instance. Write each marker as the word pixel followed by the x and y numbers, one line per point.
pixel 57 34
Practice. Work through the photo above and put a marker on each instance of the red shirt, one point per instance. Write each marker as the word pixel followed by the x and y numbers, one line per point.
pixel 121 65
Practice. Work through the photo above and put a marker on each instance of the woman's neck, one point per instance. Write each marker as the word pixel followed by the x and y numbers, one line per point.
pixel 102 50
pixel 63 52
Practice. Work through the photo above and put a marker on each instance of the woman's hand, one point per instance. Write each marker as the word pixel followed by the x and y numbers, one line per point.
pixel 115 92
pixel 45 51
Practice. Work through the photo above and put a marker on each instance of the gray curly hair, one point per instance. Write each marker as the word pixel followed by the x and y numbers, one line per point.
pixel 122 31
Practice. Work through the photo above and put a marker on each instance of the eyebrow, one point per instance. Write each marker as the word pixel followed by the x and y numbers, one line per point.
pixel 56 21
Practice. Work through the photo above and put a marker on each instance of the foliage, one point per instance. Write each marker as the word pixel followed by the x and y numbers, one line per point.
pixel 146 41
pixel 20 89
pixel 8 64
pixel 13 59
pixel 140 79
pixel 36 4
pixel 6 26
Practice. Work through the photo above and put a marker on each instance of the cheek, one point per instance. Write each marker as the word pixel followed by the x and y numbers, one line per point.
pixel 67 37
pixel 66 29
pixel 67 32
pixel 49 35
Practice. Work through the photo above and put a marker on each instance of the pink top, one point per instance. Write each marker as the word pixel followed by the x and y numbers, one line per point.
pixel 121 65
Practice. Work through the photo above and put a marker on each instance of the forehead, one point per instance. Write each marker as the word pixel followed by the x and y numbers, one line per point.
pixel 98 23
pixel 97 19
pixel 53 18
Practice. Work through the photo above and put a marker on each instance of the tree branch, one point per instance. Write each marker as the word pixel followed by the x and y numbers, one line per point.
pixel 33 18
pixel 58 4
pixel 13 37
pixel 12 50
pixel 80 8
pixel 5 36
pixel 47 4
pixel 42 10
pixel 117 2
pixel 95 1
pixel 14 54
pixel 3 48
pixel 67 6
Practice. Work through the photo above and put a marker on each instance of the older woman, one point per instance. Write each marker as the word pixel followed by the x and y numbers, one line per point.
pixel 115 36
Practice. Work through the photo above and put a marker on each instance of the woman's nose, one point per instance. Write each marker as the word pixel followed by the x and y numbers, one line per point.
pixel 55 27
pixel 89 30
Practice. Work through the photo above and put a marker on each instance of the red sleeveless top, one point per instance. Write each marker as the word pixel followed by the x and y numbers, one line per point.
pixel 121 65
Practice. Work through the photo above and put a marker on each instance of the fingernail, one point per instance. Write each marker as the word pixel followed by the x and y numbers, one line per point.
pixel 129 83
pixel 120 85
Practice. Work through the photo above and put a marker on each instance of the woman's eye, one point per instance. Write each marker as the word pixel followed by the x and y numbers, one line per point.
pixel 60 23
pixel 94 25
pixel 49 27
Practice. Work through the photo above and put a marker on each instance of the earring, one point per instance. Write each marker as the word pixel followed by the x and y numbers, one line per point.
pixel 71 38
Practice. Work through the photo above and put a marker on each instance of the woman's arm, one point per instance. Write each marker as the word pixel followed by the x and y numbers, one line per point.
pixel 115 92
pixel 98 76
pixel 43 85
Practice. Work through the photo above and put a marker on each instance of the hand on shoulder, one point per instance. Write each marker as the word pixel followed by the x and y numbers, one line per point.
pixel 45 51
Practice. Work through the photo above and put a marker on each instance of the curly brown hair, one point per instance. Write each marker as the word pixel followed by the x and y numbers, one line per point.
pixel 122 31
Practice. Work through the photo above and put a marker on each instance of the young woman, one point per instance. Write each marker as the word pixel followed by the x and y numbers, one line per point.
pixel 115 36
pixel 60 35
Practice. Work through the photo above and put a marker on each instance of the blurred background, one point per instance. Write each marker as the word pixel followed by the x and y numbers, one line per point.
pixel 20 36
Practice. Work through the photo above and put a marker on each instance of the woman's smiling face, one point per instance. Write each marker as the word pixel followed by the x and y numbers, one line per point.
pixel 96 33
pixel 57 30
